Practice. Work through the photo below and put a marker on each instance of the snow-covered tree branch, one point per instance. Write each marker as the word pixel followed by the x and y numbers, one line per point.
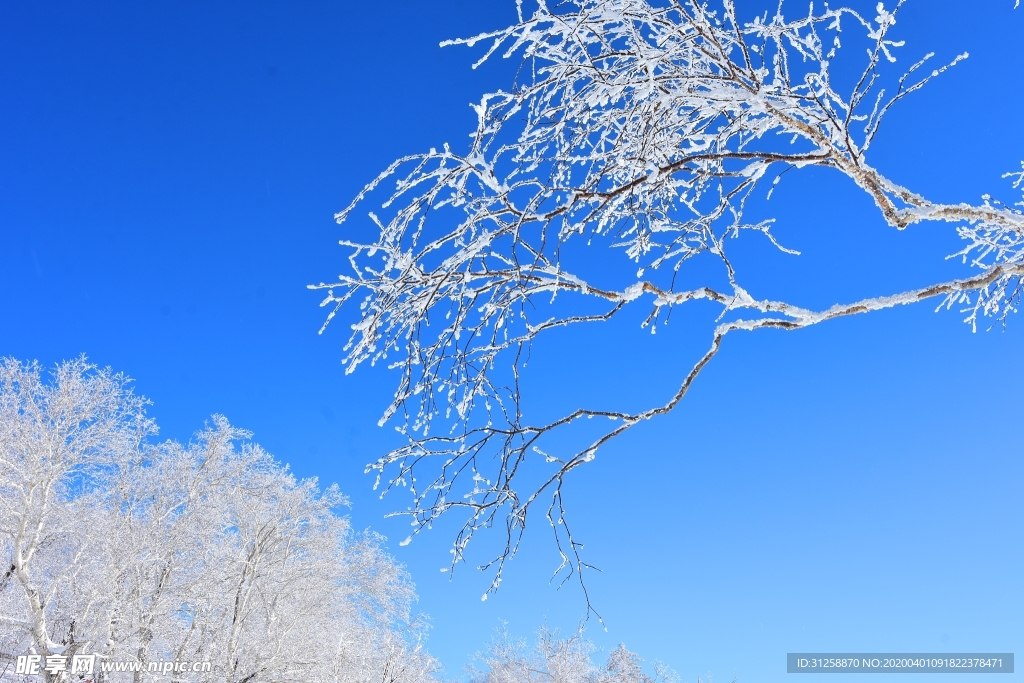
pixel 643 126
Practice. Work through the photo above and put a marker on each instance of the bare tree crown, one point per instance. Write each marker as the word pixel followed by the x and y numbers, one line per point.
pixel 640 126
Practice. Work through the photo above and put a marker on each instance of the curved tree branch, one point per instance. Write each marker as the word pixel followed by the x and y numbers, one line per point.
pixel 643 127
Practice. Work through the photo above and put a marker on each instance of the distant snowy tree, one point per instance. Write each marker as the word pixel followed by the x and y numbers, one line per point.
pixel 644 126
pixel 560 660
pixel 205 552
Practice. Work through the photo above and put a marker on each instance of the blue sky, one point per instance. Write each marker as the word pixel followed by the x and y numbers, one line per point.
pixel 168 177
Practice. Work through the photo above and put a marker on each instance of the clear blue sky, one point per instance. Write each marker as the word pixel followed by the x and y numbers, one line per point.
pixel 168 176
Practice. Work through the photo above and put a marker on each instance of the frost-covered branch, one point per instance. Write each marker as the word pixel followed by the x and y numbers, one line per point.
pixel 640 126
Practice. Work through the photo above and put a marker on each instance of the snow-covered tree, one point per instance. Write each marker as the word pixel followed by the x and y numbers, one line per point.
pixel 645 126
pixel 206 552
pixel 57 441
pixel 560 660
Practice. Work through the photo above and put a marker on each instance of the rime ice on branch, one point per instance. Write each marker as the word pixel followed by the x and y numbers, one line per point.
pixel 633 125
